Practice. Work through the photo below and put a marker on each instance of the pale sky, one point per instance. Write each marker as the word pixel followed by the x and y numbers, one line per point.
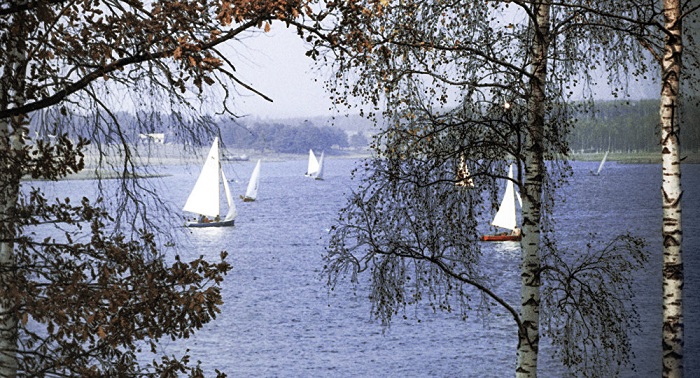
pixel 274 64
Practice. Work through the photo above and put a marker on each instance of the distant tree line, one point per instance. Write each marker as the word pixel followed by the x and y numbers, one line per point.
pixel 279 137
pixel 262 136
pixel 631 126
pixel 621 126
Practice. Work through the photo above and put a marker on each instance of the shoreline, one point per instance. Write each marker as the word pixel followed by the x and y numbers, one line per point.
pixel 171 155
pixel 635 157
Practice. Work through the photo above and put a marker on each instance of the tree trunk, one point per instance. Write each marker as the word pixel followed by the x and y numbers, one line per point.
pixel 11 143
pixel 528 335
pixel 9 189
pixel 671 193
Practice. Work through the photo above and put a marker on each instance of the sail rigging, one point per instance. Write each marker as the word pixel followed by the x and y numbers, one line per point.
pixel 315 166
pixel 251 193
pixel 506 216
pixel 204 200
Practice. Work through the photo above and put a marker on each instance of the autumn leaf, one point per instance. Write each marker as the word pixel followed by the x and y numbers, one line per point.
pixel 101 332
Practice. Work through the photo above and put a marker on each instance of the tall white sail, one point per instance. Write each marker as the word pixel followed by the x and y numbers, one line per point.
pixel 251 192
pixel 313 164
pixel 319 172
pixel 506 215
pixel 204 198
pixel 602 162
pixel 232 213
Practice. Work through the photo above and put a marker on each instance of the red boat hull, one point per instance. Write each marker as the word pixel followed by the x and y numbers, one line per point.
pixel 225 223
pixel 501 237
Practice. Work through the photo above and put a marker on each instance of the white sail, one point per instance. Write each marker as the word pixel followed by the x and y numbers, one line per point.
pixel 232 213
pixel 319 173
pixel 204 198
pixel 602 162
pixel 506 215
pixel 313 165
pixel 251 192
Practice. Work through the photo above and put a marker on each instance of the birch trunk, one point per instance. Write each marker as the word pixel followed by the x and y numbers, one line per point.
pixel 528 335
pixel 11 142
pixel 9 190
pixel 671 193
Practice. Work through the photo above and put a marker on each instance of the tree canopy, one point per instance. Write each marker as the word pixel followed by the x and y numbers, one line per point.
pixel 489 83
pixel 284 137
pixel 86 283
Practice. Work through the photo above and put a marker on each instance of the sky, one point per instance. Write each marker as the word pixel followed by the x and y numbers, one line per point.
pixel 274 64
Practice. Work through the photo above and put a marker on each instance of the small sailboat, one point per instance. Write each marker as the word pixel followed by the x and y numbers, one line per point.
pixel 315 167
pixel 319 174
pixel 204 198
pixel 506 214
pixel 463 178
pixel 600 167
pixel 251 193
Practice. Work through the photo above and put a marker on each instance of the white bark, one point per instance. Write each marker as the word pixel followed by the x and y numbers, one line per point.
pixel 11 141
pixel 671 194
pixel 529 335
pixel 8 319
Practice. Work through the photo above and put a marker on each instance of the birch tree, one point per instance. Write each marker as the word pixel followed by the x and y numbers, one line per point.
pixel 489 81
pixel 85 309
pixel 672 232
pixel 668 52
pixel 659 28
pixel 669 55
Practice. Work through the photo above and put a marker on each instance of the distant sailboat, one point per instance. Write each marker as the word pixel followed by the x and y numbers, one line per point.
pixel 204 198
pixel 506 214
pixel 463 177
pixel 319 174
pixel 315 167
pixel 251 193
pixel 600 167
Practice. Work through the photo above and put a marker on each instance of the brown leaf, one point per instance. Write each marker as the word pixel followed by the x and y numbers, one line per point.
pixel 101 332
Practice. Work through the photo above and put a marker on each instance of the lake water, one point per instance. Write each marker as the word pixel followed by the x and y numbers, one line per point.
pixel 280 320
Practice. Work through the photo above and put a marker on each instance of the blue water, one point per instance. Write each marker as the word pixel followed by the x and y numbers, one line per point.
pixel 280 320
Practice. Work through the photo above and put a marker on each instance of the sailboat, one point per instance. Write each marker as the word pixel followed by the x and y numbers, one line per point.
pixel 463 177
pixel 600 167
pixel 506 214
pixel 251 192
pixel 315 167
pixel 319 174
pixel 204 198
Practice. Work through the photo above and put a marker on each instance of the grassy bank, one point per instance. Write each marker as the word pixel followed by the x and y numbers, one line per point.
pixel 175 155
pixel 635 157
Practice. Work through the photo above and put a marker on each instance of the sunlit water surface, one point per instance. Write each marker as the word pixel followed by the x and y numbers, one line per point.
pixel 279 319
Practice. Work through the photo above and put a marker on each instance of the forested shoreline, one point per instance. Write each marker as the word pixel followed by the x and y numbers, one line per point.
pixel 630 127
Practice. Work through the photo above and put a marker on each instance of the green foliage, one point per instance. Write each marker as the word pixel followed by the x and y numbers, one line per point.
pixel 490 82
pixel 358 140
pixel 631 126
pixel 586 303
pixel 284 138
pixel 411 257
